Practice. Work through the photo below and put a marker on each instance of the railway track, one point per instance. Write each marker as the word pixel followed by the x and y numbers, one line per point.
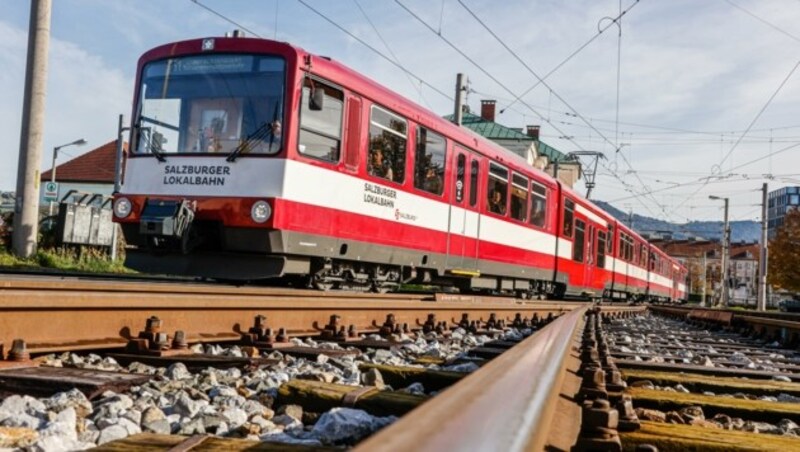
pixel 477 372
pixel 710 379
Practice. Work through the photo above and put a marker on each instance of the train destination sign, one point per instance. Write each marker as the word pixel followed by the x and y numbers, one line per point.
pixel 211 175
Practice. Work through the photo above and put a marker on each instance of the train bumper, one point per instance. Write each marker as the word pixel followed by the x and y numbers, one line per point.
pixel 233 266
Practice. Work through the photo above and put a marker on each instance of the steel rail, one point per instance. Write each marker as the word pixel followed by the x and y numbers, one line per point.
pixel 506 405
pixel 90 317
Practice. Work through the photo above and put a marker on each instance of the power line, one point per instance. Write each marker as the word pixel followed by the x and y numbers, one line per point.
pixel 499 83
pixel 381 54
pixel 385 44
pixel 570 56
pixel 758 115
pixel 763 21
pixel 225 18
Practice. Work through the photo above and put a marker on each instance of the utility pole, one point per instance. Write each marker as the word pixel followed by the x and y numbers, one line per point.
pixel 26 209
pixel 458 114
pixel 726 245
pixel 764 255
pixel 121 129
pixel 705 278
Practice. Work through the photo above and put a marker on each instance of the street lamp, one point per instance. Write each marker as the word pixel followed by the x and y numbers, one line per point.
pixel 726 243
pixel 79 142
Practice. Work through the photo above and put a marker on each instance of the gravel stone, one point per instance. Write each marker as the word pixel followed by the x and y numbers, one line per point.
pixel 414 388
pixel 373 377
pixel 178 371
pixel 111 433
pixel 295 411
pixel 235 416
pixel 347 425
pixel 645 414
pixel 193 427
pixel 15 437
pixel 72 398
pixel 161 426
pixel 152 414
pixel 185 406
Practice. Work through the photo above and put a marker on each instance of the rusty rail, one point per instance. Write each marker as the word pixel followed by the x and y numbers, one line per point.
pixel 54 316
pixel 506 405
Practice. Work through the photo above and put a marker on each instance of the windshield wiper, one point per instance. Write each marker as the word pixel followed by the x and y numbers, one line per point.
pixel 263 131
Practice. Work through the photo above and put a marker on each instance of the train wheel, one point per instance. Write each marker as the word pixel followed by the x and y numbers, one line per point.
pixel 322 283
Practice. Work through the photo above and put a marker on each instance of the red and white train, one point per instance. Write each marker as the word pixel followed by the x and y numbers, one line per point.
pixel 255 159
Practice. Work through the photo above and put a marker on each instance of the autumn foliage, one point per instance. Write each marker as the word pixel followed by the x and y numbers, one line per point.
pixel 784 254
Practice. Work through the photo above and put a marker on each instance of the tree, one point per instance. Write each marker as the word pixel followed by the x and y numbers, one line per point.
pixel 784 254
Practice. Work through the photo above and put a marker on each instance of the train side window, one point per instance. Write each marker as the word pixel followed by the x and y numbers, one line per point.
pixel 610 241
pixel 519 197
pixel 461 169
pixel 321 130
pixel 577 247
pixel 497 193
pixel 569 216
pixel 387 145
pixel 473 182
pixel 601 249
pixel 429 161
pixel 538 204
pixel 644 256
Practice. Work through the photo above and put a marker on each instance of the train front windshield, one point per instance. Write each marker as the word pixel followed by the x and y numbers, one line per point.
pixel 211 104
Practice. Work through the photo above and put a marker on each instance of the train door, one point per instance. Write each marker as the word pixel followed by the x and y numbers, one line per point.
pixel 589 270
pixel 579 253
pixel 462 240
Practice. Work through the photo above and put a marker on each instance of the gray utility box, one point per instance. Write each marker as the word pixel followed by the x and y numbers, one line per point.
pixel 85 219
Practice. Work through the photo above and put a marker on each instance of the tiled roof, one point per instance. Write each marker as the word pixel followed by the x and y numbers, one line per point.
pixel 96 165
pixel 495 131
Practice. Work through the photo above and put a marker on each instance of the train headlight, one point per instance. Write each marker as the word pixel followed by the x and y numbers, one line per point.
pixel 260 212
pixel 122 207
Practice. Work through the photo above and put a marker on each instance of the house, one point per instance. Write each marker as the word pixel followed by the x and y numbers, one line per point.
pixel 527 145
pixel 92 172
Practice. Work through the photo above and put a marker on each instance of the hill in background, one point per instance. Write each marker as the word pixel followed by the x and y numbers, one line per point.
pixel 741 231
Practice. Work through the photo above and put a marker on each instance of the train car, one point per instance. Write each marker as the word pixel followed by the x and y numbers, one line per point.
pixel 630 268
pixel 254 159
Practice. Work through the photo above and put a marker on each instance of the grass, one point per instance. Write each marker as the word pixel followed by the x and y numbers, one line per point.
pixel 65 259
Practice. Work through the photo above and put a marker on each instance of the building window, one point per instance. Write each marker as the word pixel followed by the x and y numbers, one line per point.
pixel 387 145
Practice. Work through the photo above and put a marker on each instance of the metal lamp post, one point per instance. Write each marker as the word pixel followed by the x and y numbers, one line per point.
pixel 79 142
pixel 726 243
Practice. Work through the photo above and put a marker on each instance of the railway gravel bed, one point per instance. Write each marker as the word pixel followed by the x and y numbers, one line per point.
pixel 251 404
pixel 699 387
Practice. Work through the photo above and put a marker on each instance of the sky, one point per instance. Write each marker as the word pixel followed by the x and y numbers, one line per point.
pixel 706 103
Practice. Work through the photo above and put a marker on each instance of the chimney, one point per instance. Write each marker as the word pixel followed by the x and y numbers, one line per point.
pixel 487 110
pixel 533 132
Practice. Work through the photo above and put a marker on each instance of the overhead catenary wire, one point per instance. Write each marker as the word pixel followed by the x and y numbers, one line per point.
pixel 378 52
pixel 391 52
pixel 225 18
pixel 543 82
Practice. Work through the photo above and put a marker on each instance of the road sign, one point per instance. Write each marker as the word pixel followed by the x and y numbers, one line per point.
pixel 51 191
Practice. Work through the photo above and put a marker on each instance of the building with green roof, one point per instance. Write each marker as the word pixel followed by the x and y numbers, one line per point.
pixel 527 145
